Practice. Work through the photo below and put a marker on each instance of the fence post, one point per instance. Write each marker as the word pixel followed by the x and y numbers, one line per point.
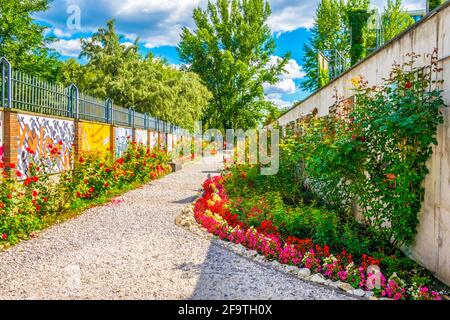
pixel 6 72
pixel 133 125
pixel 11 126
pixel 73 94
pixel 108 110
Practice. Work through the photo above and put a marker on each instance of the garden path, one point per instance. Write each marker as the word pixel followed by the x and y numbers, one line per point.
pixel 134 250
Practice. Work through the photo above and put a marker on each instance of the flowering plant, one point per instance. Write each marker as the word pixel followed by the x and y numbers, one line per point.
pixel 212 211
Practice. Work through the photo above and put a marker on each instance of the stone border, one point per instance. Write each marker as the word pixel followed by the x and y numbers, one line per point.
pixel 187 221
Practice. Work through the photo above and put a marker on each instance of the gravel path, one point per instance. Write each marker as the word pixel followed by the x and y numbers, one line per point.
pixel 134 250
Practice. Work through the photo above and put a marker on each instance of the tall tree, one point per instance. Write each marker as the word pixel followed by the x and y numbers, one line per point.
pixel 147 84
pixel 358 15
pixel 328 33
pixel 433 4
pixel 395 19
pixel 230 50
pixel 22 40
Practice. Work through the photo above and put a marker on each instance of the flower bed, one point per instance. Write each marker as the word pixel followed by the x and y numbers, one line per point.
pixel 212 211
pixel 31 201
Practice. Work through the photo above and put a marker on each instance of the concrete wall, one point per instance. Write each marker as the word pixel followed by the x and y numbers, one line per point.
pixel 432 244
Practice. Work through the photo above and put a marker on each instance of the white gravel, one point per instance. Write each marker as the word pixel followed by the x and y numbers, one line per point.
pixel 134 250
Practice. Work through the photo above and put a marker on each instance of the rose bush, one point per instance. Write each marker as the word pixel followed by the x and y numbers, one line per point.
pixel 31 200
pixel 213 212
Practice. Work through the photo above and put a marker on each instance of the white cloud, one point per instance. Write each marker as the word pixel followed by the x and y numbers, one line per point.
pixel 68 48
pixel 284 86
pixel 127 44
pixel 290 15
pixel 277 99
pixel 60 33
pixel 159 22
pixel 292 69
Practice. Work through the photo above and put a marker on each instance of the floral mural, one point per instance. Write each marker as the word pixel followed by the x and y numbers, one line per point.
pixel 45 140
pixel 153 139
pixel 142 136
pixel 123 138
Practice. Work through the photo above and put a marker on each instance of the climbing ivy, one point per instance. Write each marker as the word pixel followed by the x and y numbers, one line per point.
pixel 358 25
pixel 372 153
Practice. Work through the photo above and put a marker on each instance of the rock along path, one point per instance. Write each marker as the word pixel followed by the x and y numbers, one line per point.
pixel 134 250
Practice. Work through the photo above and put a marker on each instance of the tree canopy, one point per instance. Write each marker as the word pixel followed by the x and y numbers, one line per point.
pixel 147 84
pixel 342 26
pixel 23 41
pixel 230 50
pixel 395 19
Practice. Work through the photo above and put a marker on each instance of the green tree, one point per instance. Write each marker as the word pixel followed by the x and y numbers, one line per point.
pixel 433 4
pixel 147 84
pixel 230 50
pixel 358 15
pixel 328 33
pixel 395 19
pixel 22 40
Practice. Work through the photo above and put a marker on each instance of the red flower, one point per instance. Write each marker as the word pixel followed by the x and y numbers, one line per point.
pixel 35 179
pixel 4 236
pixel 27 181
pixel 60 143
pixel 45 199
pixel 362 139
pixel 35 193
pixel 408 85
pixel 30 151
pixel 106 185
pixel 120 160
pixel 81 160
pixel 38 208
pixel 12 165
pixel 9 196
pixel 78 194
pixel 18 174
pixel 91 189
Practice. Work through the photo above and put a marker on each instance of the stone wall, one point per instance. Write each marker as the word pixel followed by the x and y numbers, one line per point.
pixel 432 244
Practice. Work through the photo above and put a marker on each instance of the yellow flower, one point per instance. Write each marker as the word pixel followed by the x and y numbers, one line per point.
pixel 356 81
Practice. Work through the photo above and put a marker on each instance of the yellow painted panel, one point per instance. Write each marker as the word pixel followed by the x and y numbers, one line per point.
pixel 96 137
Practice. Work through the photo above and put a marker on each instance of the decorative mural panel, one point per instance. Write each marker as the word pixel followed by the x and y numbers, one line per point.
pixel 153 139
pixel 142 136
pixel 46 141
pixel 123 138
pixel 95 137
pixel 1 135
pixel 169 142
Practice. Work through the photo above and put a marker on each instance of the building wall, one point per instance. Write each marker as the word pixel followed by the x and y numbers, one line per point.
pixel 95 137
pixel 40 135
pixel 432 243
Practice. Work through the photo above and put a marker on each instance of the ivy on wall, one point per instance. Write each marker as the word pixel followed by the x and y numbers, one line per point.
pixel 374 153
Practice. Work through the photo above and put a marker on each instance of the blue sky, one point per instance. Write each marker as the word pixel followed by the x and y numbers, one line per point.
pixel 158 23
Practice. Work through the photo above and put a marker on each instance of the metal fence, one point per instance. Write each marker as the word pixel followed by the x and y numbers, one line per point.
pixel 23 92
